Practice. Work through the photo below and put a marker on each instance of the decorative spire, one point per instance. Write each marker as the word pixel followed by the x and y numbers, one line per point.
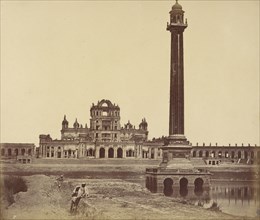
pixel 65 122
pixel 76 124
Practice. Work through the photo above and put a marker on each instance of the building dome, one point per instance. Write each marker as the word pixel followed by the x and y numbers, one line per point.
pixel 76 124
pixel 64 122
pixel 177 6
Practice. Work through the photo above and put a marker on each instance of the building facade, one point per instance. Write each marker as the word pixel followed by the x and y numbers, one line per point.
pixel 22 152
pixel 236 154
pixel 105 138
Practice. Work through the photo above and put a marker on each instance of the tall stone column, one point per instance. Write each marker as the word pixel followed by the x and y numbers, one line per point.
pixel 176 111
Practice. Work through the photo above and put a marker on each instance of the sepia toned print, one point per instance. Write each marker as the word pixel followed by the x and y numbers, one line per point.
pixel 171 100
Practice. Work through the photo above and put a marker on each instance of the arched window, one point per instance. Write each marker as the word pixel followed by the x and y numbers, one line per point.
pixel 9 152
pixel 23 152
pixel 246 154
pixel 239 154
pixel 104 104
pixel 220 154
pixel 2 152
pixel 130 153
pixel 207 154
pixel 200 153
pixel 232 154
pixel 194 153
pixel 152 153
pixel 226 154
pixel 30 152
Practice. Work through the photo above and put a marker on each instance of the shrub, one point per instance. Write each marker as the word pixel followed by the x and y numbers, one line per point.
pixel 215 206
pixel 13 185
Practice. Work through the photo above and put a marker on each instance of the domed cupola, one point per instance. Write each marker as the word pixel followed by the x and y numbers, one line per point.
pixel 76 124
pixel 177 14
pixel 143 125
pixel 65 123
pixel 177 6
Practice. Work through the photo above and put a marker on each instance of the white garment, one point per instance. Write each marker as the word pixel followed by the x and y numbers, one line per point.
pixel 83 192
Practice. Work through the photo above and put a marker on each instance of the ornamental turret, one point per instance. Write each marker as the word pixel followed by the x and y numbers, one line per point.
pixel 65 123
pixel 143 125
pixel 76 124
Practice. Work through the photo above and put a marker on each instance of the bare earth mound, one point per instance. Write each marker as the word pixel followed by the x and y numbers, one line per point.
pixel 109 199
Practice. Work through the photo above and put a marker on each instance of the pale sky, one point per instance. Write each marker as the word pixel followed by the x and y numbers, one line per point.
pixel 59 57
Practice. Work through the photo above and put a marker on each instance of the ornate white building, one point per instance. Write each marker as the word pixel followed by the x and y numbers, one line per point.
pixel 105 138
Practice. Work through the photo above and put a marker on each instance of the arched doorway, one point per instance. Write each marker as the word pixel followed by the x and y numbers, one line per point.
pixel 119 153
pixel 168 191
pixel 183 187
pixel 102 152
pixel 110 152
pixel 198 184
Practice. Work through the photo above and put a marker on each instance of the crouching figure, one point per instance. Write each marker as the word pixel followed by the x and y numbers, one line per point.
pixel 78 193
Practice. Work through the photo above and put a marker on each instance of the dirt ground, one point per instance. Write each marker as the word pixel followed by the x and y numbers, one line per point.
pixel 109 199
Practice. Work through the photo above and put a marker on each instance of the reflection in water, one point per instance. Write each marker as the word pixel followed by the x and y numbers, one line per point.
pixel 235 198
pixel 184 192
pixel 183 187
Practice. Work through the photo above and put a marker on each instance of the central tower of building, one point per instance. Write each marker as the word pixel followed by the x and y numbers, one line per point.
pixel 176 27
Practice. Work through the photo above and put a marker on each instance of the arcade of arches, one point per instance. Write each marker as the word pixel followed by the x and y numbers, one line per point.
pixel 13 150
pixel 214 155
pixel 178 187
